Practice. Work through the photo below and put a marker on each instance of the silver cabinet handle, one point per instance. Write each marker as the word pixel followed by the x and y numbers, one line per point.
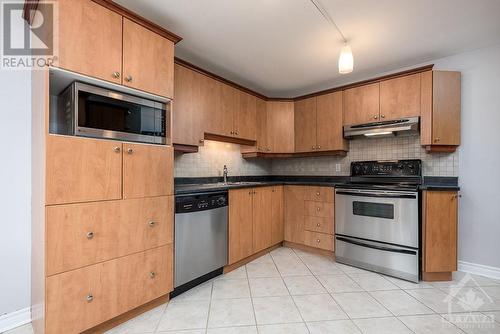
pixel 90 235
pixel 130 151
pixel 152 274
pixel 375 117
pixel 128 78
pixel 236 133
pixel 116 75
pixel 152 223
pixel 318 241
pixel 313 147
pixel 116 149
pixel 382 116
pixel 318 209
pixel 318 225
pixel 89 297
pixel 317 194
pixel 319 147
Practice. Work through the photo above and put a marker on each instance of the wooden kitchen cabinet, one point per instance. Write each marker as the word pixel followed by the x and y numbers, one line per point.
pixel 262 208
pixel 305 125
pixel 147 60
pixel 277 213
pixel 362 104
pixel 245 117
pixel 261 132
pixel 439 234
pixel 280 127
pixel 441 106
pixel 188 115
pixel 230 103
pixel 90 40
pixel 400 97
pixel 329 123
pixel 86 233
pixel 294 213
pixel 147 170
pixel 240 224
pixel 81 299
pixel 82 170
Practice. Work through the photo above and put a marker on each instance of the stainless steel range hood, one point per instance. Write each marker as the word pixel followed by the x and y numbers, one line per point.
pixel 385 128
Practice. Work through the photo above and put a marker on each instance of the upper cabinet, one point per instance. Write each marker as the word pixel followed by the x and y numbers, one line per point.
pixel 147 60
pixel 305 125
pixel 230 102
pixel 280 127
pixel 441 105
pixel 98 42
pixel 261 133
pixel 400 97
pixel 244 117
pixel 318 124
pixel 361 104
pixel 90 40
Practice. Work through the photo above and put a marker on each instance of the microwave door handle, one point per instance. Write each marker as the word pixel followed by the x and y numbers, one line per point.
pixel 377 195
pixel 385 249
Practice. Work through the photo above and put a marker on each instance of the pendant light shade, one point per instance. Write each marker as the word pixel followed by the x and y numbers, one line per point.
pixel 346 61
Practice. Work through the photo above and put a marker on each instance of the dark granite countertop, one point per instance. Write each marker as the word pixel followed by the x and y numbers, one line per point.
pixel 185 186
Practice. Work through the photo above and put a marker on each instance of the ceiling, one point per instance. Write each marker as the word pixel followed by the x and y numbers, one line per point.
pixel 285 48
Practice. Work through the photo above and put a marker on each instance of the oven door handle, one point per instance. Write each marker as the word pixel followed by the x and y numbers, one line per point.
pixel 385 249
pixel 378 195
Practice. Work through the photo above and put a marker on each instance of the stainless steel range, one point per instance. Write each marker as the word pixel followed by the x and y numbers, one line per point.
pixel 377 218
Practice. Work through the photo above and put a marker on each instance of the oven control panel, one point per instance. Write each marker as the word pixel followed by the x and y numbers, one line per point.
pixel 399 168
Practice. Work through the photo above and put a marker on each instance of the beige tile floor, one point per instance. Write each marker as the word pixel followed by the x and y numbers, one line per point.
pixel 290 291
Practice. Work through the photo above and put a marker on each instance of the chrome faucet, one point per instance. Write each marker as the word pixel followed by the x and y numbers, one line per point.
pixel 224 171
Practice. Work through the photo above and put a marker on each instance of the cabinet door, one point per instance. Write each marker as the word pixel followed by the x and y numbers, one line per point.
pixel 305 125
pixel 240 224
pixel 400 97
pixel 230 103
pixel 209 105
pixel 147 170
pixel 245 118
pixel 329 123
pixel 280 121
pixel 440 231
pixel 261 130
pixel 86 233
pixel 361 104
pixel 82 170
pixel 187 115
pixel 262 218
pixel 277 221
pixel 90 40
pixel 148 60
pixel 294 214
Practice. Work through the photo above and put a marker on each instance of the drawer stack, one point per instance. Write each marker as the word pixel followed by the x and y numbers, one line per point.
pixel 309 216
pixel 105 256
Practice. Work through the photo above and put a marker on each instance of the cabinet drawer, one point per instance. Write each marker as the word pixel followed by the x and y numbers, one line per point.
pixel 318 224
pixel 318 240
pixel 319 209
pixel 81 299
pixel 318 194
pixel 87 233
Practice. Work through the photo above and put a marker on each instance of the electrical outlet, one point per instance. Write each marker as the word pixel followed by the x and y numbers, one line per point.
pixel 337 167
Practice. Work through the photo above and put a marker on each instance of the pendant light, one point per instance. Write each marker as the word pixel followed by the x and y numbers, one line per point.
pixel 346 60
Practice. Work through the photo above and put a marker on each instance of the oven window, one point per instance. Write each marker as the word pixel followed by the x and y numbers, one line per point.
pixel 378 210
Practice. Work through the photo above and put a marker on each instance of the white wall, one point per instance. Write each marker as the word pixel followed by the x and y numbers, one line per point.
pixel 15 190
pixel 479 176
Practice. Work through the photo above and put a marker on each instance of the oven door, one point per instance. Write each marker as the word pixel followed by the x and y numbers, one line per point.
pixel 384 216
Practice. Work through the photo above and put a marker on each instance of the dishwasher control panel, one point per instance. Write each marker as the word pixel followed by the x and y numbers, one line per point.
pixel 201 202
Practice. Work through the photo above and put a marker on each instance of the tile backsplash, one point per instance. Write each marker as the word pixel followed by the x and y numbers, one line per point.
pixel 390 148
pixel 211 158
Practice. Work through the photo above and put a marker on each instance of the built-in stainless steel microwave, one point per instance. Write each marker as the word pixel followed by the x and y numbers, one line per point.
pixel 90 111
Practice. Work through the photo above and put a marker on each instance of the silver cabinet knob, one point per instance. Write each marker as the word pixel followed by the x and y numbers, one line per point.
pixel 116 149
pixel 90 235
pixel 319 146
pixel 232 132
pixel 130 151
pixel 269 149
pixel 249 193
pixel 382 116
pixel 128 78
pixel 313 147
pixel 318 225
pixel 318 209
pixel 318 241
pixel 317 194
pixel 152 223
pixel 89 297
pixel 116 75
pixel 152 274
pixel 437 140
pixel 236 133
pixel 202 141
pixel 375 117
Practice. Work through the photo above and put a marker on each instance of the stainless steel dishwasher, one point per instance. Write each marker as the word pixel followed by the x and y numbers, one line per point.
pixel 201 229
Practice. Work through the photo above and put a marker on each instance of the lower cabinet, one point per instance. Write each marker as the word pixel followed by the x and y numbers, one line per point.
pixel 309 216
pixel 102 291
pixel 439 234
pixel 255 220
